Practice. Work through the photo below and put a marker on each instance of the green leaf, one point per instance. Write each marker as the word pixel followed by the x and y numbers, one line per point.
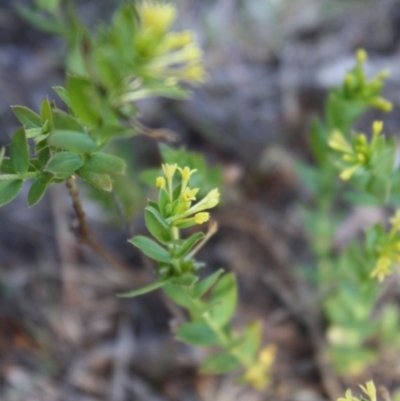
pixel 36 192
pixel 64 164
pixel 27 117
pixel 204 285
pixel 104 163
pixel 251 339
pixel 143 290
pixel 81 99
pixel 9 190
pixel 38 20
pixel 73 141
pixel 62 93
pixel 179 295
pixel 157 225
pixel 219 364
pixel 379 186
pixel 225 292
pixel 46 112
pixel 151 249
pixel 19 152
pixel 102 181
pixel 186 280
pixel 2 153
pixel 64 121
pixel 197 333
pixel 189 244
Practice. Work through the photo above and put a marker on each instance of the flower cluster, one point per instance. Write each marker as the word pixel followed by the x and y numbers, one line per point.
pixel 388 249
pixel 357 152
pixel 171 55
pixel 369 390
pixel 357 87
pixel 259 373
pixel 181 209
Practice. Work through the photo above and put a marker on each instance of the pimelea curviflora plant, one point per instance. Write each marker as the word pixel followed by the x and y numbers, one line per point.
pixel 357 169
pixel 136 57
pixel 210 301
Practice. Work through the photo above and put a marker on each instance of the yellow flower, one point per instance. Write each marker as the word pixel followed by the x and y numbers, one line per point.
pixel 258 375
pixel 381 104
pixel 169 170
pixel 338 142
pixel 194 73
pixel 348 397
pixel 156 17
pixel 160 182
pixel 201 218
pixel 177 40
pixel 348 172
pixel 361 56
pixel 377 128
pixel 382 269
pixel 369 390
pixel 189 194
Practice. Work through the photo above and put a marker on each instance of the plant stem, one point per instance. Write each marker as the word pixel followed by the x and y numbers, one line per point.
pixel 26 176
pixel 86 237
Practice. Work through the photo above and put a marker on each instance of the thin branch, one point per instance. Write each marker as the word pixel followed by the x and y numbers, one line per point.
pixel 85 236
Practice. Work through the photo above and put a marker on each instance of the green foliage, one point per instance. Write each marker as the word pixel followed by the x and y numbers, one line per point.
pixel 345 279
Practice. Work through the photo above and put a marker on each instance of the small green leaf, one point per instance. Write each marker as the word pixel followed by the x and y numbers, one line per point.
pixel 46 112
pixel 103 163
pixel 64 164
pixel 27 117
pixel 36 192
pixel 39 20
pixel 179 295
pixel 189 244
pixel 186 280
pixel 197 333
pixel 143 290
pixel 225 292
pixel 19 152
pixel 81 97
pixel 77 142
pixel 157 225
pixel 9 190
pixel 64 121
pixel 62 93
pixel 204 285
pixel 379 186
pixel 2 153
pixel 151 249
pixel 219 364
pixel 102 181
pixel 251 339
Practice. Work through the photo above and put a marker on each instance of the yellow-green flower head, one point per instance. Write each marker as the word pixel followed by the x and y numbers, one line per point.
pixel 361 56
pixel 201 217
pixel 338 142
pixel 377 128
pixel 169 170
pixel 190 194
pixel 194 73
pixel 177 40
pixel 348 397
pixel 160 182
pixel 382 269
pixel 186 172
pixel 191 52
pixel 258 375
pixel 381 104
pixel 369 390
pixel 211 199
pixel 156 17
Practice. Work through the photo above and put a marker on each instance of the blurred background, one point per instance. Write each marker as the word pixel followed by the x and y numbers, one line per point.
pixel 64 335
